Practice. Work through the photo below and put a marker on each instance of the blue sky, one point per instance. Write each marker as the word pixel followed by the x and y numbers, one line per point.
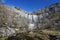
pixel 30 5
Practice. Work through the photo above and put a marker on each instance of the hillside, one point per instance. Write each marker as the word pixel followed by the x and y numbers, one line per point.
pixel 18 24
pixel 12 15
pixel 11 18
pixel 49 17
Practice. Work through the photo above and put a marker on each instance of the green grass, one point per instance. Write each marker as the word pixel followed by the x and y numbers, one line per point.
pixel 2 38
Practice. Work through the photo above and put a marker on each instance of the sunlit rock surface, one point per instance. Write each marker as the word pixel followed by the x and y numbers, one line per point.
pixel 14 19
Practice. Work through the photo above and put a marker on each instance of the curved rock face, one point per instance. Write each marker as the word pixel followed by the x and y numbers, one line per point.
pixel 6 14
pixel 48 18
pixel 12 16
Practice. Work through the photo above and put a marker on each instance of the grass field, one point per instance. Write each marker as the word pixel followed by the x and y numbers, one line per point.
pixel 2 38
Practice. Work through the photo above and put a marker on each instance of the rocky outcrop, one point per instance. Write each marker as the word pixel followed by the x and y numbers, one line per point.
pixel 49 17
pixel 11 17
